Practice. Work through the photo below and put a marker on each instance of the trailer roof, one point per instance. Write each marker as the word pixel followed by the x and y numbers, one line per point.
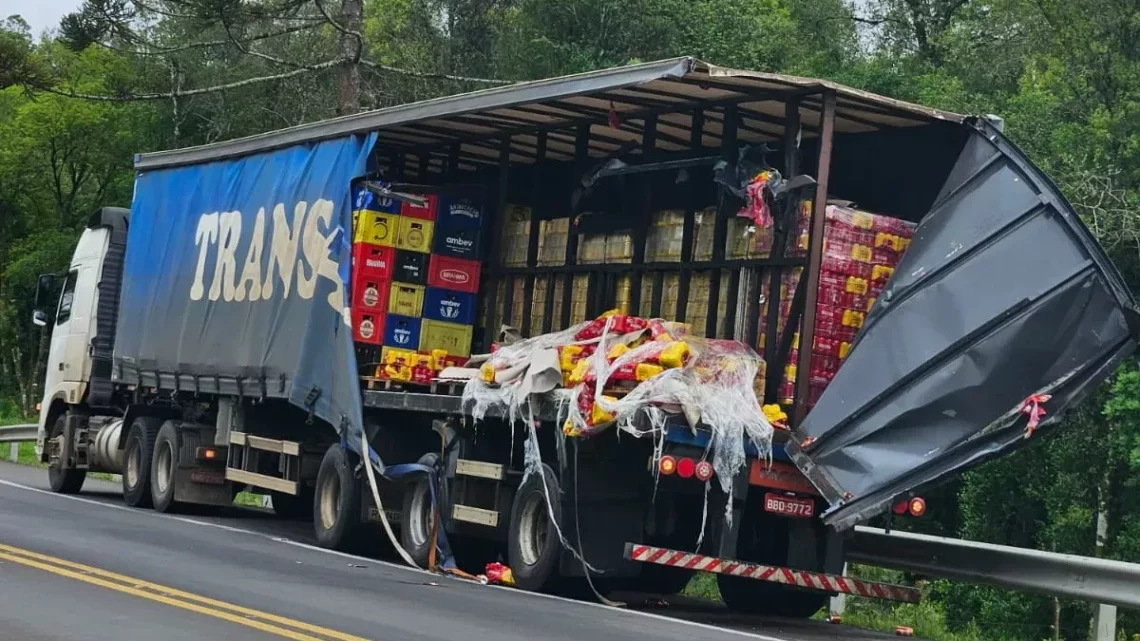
pixel 668 89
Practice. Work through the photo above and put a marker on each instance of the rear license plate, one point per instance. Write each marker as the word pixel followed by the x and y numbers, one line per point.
pixel 209 478
pixel 789 506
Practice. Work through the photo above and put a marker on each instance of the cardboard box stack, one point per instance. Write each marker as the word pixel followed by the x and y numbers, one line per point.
pixel 860 253
pixel 415 277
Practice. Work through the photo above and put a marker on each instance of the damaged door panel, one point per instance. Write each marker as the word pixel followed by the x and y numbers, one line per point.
pixel 1002 299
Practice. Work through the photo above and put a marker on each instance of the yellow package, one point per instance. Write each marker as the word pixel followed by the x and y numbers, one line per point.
pixel 861 253
pixel 881 272
pixel 646 371
pixel 487 372
pixel 568 356
pixel 617 350
pixel 843 349
pixel 852 318
pixel 599 416
pixel 674 354
pixel 579 373
pixel 856 285
pixel 862 220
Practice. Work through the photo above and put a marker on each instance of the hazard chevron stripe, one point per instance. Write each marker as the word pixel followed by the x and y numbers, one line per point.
pixel 786 576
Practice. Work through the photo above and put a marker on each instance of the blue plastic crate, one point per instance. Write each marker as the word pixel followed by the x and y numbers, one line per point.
pixel 449 306
pixel 402 332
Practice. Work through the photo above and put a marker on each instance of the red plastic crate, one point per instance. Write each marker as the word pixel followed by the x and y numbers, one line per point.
pixel 367 326
pixel 427 212
pixel 370 294
pixel 372 261
pixel 455 274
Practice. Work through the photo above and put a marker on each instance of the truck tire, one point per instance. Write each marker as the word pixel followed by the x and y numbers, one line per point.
pixel 533 549
pixel 62 481
pixel 294 507
pixel 765 539
pixel 164 467
pixel 416 515
pixel 336 509
pixel 137 453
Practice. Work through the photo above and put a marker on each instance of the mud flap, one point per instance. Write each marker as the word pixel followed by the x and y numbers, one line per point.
pixel 1003 296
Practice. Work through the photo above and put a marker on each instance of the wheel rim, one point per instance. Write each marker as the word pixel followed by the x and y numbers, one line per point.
pixel 134 464
pixel 330 502
pixel 534 527
pixel 165 467
pixel 420 517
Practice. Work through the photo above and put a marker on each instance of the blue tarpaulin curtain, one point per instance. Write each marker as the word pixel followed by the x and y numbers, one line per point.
pixel 240 268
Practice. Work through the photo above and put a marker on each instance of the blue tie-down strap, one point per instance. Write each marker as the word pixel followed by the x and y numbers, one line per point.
pixel 396 472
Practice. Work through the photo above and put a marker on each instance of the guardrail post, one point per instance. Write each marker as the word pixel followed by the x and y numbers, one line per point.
pixel 839 601
pixel 1104 623
pixel 13 452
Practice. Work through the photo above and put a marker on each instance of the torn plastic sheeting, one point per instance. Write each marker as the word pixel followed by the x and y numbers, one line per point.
pixel 710 382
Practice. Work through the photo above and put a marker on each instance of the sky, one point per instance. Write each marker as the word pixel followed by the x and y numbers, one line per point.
pixel 39 14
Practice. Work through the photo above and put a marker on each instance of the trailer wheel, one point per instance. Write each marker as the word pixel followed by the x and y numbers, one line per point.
pixel 336 510
pixel 417 515
pixel 137 454
pixel 164 467
pixel 765 539
pixel 62 481
pixel 533 549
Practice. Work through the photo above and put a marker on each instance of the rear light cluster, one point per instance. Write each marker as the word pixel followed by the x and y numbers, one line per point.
pixel 685 468
pixel 915 507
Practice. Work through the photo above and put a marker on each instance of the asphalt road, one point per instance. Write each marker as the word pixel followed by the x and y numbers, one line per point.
pixel 88 568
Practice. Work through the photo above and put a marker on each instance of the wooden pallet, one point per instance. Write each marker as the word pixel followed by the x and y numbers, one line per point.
pixel 448 388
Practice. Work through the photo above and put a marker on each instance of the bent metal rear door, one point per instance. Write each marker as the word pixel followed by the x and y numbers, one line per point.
pixel 1003 313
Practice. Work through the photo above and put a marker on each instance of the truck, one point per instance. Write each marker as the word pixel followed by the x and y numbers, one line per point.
pixel 206 339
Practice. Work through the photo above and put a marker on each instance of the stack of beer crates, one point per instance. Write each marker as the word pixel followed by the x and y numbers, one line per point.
pixel 415 277
pixel 860 253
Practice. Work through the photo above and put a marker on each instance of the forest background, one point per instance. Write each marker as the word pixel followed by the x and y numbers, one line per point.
pixel 118 77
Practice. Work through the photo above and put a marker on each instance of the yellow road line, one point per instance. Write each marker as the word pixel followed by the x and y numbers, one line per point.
pixel 170 596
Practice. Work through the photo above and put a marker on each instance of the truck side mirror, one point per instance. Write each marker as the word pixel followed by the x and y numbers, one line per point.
pixel 45 287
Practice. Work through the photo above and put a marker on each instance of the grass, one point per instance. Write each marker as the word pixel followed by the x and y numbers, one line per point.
pixel 926 618
pixel 702 586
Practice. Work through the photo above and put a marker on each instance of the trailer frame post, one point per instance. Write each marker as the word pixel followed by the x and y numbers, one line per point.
pixel 641 225
pixel 780 238
pixel 532 234
pixel 494 261
pixel 696 141
pixel 815 258
pixel 728 151
pixel 581 161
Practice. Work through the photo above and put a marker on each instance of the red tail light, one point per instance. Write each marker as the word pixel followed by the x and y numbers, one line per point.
pixel 667 465
pixel 686 467
pixel 704 470
pixel 899 508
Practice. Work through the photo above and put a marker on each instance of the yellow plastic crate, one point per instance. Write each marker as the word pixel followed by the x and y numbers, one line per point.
pixel 415 234
pixel 406 299
pixel 455 339
pixel 375 227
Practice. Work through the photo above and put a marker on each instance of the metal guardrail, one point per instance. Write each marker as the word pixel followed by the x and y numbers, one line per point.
pixel 1064 575
pixel 18 433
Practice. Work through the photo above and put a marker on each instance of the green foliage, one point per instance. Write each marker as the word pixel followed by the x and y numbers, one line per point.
pixel 1064 75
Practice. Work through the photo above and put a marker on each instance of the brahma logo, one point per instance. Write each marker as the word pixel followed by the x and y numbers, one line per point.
pixel 376 263
pixel 367 328
pixel 454 276
pixel 402 336
pixel 466 210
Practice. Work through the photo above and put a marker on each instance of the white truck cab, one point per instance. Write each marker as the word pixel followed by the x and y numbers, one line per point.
pixel 75 324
